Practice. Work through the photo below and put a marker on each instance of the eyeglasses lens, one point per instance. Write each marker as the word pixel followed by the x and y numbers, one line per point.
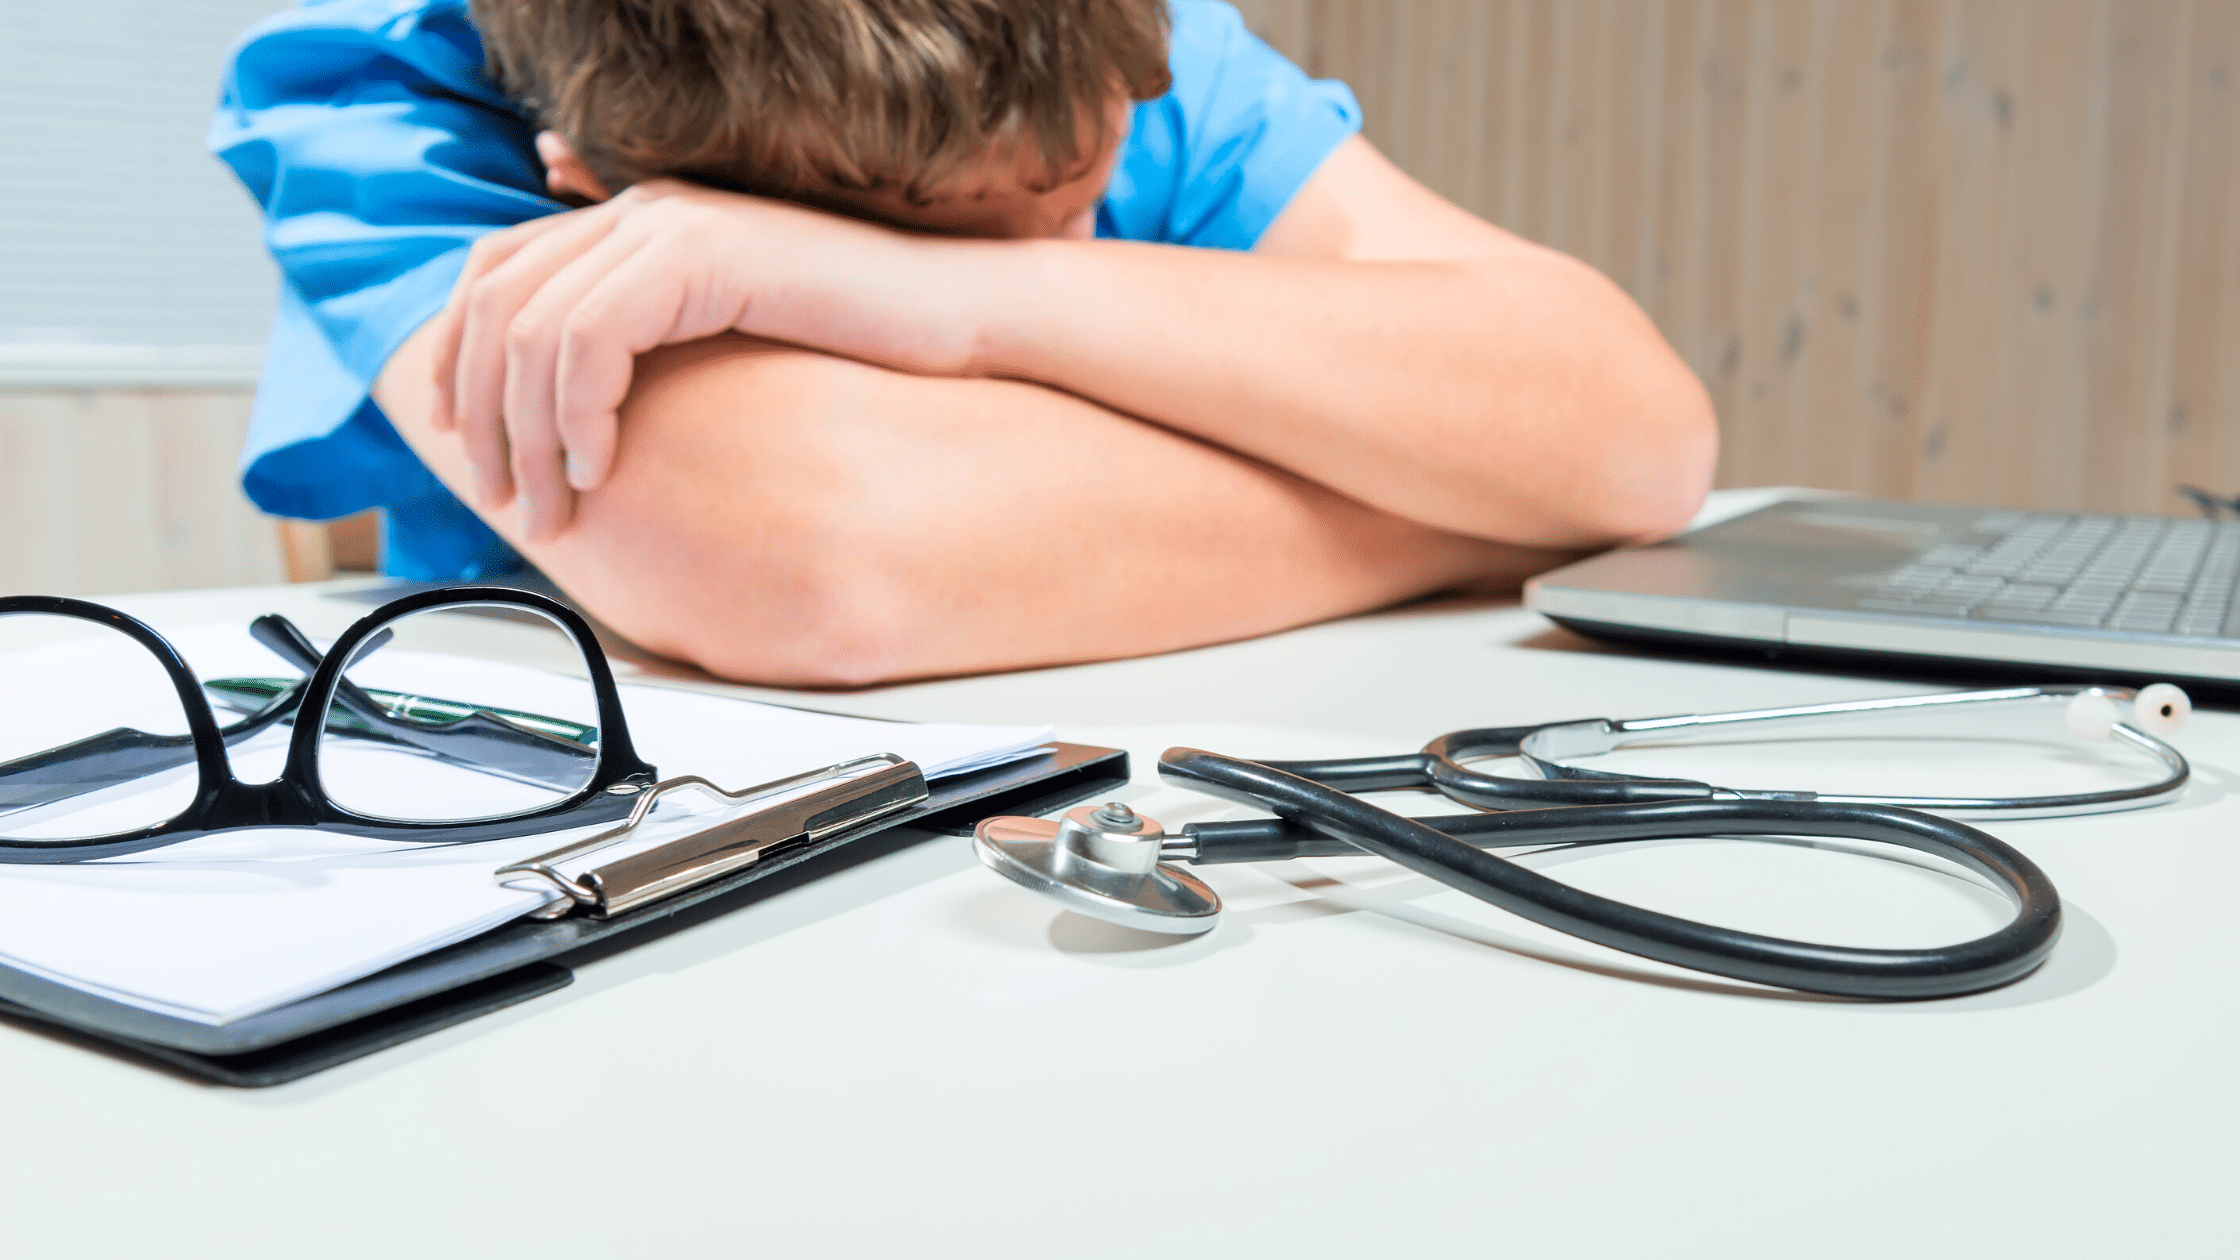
pixel 418 735
pixel 93 736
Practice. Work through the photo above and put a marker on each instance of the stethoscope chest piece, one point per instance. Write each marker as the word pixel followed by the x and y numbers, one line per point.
pixel 1101 861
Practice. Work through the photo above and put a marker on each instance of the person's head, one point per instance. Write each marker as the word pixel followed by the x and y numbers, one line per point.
pixel 981 117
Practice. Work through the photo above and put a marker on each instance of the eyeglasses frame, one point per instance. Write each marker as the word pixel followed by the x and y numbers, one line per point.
pixel 297 798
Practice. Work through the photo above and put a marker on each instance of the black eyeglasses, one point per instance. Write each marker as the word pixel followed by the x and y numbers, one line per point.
pixel 109 744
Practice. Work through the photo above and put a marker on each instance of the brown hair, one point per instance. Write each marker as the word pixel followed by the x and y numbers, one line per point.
pixel 784 95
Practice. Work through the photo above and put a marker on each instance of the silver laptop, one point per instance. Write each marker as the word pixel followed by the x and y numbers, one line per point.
pixel 1858 582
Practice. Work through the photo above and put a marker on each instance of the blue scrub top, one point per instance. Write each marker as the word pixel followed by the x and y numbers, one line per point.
pixel 380 150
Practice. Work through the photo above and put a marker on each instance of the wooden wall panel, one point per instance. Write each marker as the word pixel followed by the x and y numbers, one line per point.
pixel 127 490
pixel 1949 249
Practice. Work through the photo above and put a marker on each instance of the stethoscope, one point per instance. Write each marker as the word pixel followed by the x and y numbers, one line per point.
pixel 1113 864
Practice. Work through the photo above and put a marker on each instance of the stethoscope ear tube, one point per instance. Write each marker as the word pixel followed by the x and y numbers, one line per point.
pixel 1440 766
pixel 1444 758
pixel 1944 971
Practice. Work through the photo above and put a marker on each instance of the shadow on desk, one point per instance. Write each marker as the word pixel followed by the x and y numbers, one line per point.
pixel 1558 639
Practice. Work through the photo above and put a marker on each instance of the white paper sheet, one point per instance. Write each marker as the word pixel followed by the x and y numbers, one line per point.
pixel 226 926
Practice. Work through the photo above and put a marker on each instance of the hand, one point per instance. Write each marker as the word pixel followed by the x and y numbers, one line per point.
pixel 542 331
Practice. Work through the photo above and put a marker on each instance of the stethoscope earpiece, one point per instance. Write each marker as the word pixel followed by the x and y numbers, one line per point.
pixel 1101 861
pixel 2160 709
pixel 2093 716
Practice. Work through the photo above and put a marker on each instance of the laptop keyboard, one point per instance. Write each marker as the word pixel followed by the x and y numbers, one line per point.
pixel 2138 574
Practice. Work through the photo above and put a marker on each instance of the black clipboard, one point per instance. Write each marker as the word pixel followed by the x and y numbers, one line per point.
pixel 528 958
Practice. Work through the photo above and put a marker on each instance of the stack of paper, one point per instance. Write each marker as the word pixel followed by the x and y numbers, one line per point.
pixel 226 926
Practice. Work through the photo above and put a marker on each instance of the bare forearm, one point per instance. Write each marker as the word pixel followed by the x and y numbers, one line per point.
pixel 1516 395
pixel 782 516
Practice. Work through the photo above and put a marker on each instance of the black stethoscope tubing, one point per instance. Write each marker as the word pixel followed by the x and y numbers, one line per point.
pixel 1307 809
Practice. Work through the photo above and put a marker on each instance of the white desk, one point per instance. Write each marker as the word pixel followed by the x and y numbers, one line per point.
pixel 915 1058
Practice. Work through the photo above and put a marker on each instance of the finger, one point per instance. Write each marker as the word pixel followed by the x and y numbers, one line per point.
pixel 505 274
pixel 532 351
pixel 484 255
pixel 543 503
pixel 488 306
pixel 649 298
pixel 445 329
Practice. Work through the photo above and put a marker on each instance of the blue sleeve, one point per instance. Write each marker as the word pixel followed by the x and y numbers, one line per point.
pixel 1215 160
pixel 379 151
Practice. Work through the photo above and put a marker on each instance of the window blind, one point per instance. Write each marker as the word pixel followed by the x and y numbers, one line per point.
pixel 116 228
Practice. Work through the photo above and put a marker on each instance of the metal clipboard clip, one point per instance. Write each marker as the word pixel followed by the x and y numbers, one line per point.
pixel 852 799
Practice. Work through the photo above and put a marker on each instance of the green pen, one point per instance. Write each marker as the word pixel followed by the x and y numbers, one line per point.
pixel 249 695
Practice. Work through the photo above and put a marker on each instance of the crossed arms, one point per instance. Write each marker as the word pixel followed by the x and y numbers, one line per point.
pixel 807 449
